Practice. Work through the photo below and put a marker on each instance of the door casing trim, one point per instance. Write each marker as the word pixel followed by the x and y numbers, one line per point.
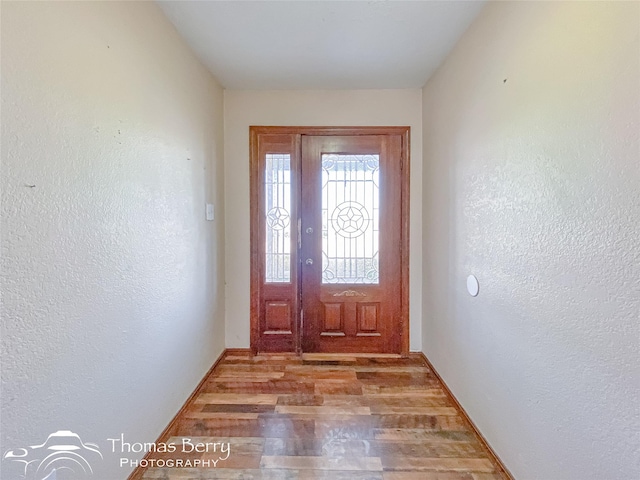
pixel 256 281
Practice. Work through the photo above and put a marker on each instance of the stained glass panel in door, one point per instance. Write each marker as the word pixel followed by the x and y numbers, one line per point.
pixel 277 187
pixel 350 218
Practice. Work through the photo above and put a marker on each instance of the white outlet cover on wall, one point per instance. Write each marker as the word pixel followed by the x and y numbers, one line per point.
pixel 473 287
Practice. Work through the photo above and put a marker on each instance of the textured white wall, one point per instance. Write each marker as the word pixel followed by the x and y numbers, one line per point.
pixel 112 287
pixel 304 108
pixel 533 185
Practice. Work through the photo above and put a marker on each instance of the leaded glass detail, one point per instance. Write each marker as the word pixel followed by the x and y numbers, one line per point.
pixel 277 187
pixel 350 218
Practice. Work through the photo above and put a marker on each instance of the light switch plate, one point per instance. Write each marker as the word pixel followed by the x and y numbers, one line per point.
pixel 210 212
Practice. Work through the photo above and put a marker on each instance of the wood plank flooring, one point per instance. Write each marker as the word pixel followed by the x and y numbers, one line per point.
pixel 326 417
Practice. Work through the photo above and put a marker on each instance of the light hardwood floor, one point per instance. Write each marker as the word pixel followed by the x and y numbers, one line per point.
pixel 326 417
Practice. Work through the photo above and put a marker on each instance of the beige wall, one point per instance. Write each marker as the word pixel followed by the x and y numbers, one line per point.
pixel 111 279
pixel 532 183
pixel 335 108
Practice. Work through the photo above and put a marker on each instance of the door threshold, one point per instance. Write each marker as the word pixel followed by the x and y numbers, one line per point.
pixel 331 356
pixel 325 356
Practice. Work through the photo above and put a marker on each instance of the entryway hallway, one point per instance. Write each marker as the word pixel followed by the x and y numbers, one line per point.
pixel 127 202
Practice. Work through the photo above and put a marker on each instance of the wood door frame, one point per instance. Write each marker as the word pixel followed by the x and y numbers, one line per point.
pixel 255 215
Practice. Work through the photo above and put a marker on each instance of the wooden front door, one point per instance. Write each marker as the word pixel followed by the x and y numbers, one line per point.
pixel 329 240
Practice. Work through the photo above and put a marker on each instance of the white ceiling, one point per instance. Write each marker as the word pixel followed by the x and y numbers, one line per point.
pixel 322 44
